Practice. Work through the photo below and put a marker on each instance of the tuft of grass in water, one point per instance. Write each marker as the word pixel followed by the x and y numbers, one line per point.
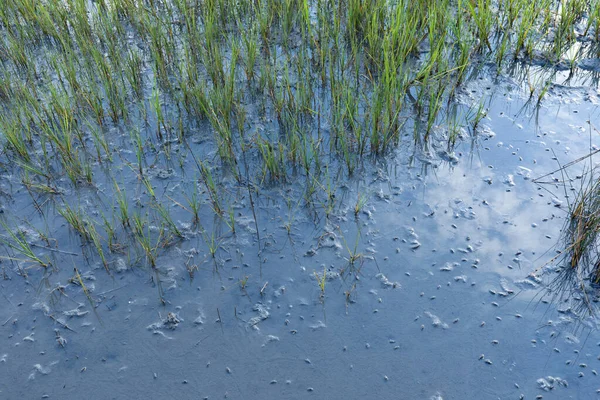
pixel 111 235
pixel 166 218
pixel 194 205
pixel 96 240
pixel 78 280
pixel 353 254
pixel 361 201
pixel 578 260
pixel 476 115
pixel 244 282
pixel 14 140
pixel 321 281
pixel 274 161
pixel 211 186
pixel 123 205
pixel 20 245
pixel 231 219
pixel 76 221
pixel 143 237
pixel 212 242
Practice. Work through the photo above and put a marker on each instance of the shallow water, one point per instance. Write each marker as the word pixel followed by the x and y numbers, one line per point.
pixel 431 292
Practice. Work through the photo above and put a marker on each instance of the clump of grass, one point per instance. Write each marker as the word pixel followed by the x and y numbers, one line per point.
pixel 213 243
pixel 231 219
pixel 361 201
pixel 19 244
pixel 274 161
pixel 194 206
pixel 244 282
pixel 167 220
pixel 76 221
pixel 143 237
pixel 211 186
pixel 578 258
pixel 123 205
pixel 321 281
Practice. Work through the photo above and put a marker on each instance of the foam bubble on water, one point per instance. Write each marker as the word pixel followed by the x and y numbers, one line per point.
pixel 120 265
pixel 532 281
pixel 436 321
pixel 161 333
pixel 504 285
pixel 318 325
pixel 270 339
pixel 510 180
pixel 571 339
pixel 76 312
pixel 550 382
pixel 330 239
pixel 200 319
pixel 41 369
pixel 448 267
pixel 486 132
pixel 169 278
pixel 329 275
pixel 386 282
pixel 263 313
pixel 524 172
pixel 42 307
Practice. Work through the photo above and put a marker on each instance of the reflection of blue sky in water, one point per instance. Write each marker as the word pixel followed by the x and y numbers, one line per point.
pixel 505 213
pixel 487 213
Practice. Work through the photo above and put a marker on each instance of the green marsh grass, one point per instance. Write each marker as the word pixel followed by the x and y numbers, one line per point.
pixel 143 237
pixel 361 201
pixel 123 205
pixel 193 202
pixel 19 244
pixel 97 242
pixel 213 192
pixel 77 221
pixel 167 220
